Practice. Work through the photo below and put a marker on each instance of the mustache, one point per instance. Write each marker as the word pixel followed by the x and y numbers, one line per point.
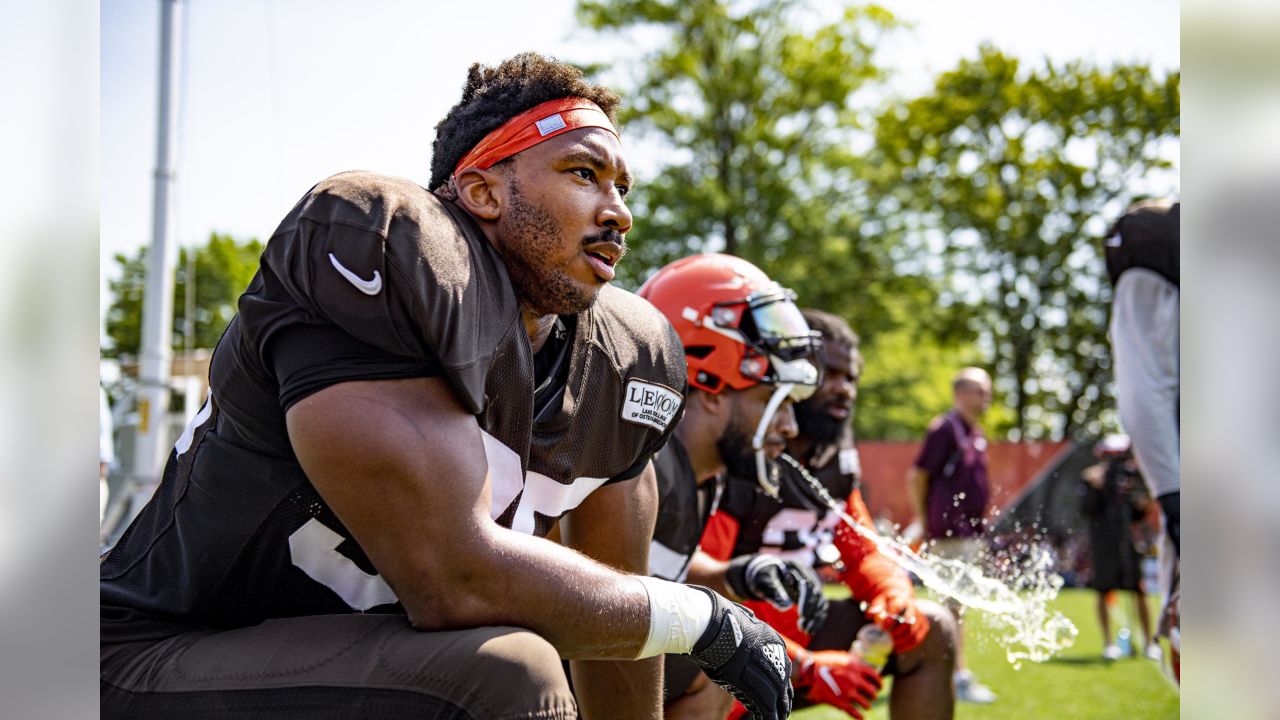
pixel 609 235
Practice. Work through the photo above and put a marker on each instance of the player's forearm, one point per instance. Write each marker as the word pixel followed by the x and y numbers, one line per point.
pixel 583 608
pixel 868 571
pixel 710 572
pixel 857 509
pixel 873 574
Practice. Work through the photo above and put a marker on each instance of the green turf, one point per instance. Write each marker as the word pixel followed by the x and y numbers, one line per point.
pixel 1078 684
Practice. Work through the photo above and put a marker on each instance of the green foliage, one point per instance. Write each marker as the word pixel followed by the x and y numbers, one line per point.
pixel 907 381
pixel 1013 175
pixel 753 106
pixel 752 116
pixel 960 227
pixel 223 268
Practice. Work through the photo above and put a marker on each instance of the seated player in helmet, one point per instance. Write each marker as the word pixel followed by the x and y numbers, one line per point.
pixel 750 354
pixel 799 526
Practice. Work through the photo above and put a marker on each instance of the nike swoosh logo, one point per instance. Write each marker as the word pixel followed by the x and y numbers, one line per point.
pixel 368 287
pixel 825 673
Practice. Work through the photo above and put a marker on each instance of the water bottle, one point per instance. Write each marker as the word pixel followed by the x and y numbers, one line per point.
pixel 1124 642
pixel 873 645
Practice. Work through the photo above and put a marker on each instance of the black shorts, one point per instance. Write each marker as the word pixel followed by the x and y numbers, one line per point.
pixel 337 666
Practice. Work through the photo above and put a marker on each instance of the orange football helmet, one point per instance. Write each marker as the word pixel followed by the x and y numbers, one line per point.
pixel 739 328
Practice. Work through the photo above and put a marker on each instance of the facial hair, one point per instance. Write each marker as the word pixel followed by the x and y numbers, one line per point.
pixel 533 236
pixel 736 452
pixel 813 422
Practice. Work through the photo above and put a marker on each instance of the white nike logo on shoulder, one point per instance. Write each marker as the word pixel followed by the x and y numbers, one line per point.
pixel 368 287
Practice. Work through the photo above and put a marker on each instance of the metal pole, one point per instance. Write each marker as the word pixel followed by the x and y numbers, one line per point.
pixel 156 354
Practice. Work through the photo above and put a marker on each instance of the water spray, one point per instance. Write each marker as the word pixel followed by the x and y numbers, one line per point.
pixel 1033 631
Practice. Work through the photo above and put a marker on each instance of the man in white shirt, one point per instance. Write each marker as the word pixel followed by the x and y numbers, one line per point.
pixel 1142 263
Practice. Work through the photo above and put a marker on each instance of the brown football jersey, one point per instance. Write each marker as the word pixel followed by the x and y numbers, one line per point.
pixel 373 277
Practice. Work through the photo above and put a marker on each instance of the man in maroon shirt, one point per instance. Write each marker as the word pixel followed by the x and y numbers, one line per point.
pixel 949 480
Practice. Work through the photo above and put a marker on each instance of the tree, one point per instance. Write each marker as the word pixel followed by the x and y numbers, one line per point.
pixel 1011 176
pixel 223 268
pixel 753 107
pixel 752 117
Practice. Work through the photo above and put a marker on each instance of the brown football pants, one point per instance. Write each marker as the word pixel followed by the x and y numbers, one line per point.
pixel 337 666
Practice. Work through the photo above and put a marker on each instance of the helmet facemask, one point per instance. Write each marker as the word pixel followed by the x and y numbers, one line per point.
pixel 781 350
pixel 780 347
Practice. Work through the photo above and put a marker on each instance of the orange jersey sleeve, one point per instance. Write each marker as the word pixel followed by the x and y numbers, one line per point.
pixel 868 572
pixel 720 535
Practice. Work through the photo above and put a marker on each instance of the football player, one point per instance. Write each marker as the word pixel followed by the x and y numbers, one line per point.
pixel 419 383
pixel 799 527
pixel 749 354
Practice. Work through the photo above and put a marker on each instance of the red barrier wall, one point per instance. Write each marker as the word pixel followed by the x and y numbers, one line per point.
pixel 1011 467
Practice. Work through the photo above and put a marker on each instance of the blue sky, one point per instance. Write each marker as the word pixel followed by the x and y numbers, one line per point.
pixel 278 94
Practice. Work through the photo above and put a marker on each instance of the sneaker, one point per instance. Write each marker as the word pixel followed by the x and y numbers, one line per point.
pixel 1154 652
pixel 969 690
pixel 1111 652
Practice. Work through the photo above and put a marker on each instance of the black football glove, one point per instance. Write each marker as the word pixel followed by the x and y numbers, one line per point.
pixel 746 657
pixel 805 588
pixel 759 577
pixel 782 583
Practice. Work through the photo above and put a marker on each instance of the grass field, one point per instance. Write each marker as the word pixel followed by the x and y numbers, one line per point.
pixel 1078 684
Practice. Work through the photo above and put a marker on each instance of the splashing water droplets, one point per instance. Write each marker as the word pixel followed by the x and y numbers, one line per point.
pixel 1017 603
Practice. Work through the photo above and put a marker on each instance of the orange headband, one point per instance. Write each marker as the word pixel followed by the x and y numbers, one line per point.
pixel 535 125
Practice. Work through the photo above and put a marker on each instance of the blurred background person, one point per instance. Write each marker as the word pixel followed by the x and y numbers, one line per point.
pixel 1142 264
pixel 1113 498
pixel 1142 254
pixel 949 482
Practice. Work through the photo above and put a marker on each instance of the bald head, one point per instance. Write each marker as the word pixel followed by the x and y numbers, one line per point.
pixel 971 389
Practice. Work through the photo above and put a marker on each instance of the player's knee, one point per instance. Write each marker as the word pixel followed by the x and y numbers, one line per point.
pixel 495 672
pixel 703 699
pixel 943 629
pixel 939 644
pixel 519 663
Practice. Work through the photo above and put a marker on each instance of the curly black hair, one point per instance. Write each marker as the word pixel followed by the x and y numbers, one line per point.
pixel 493 95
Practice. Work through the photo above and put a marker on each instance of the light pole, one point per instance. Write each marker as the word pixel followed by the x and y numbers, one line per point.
pixel 152 441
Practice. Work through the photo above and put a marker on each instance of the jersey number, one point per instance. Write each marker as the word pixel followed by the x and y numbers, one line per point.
pixel 313 547
pixel 541 494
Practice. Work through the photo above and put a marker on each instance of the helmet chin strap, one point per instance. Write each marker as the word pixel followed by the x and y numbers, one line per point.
pixel 768 481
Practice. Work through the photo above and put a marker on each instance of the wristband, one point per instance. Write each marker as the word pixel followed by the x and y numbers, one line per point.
pixel 678 615
pixel 735 576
